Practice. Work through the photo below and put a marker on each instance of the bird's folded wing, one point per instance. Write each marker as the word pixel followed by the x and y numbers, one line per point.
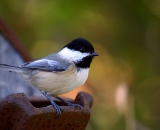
pixel 47 65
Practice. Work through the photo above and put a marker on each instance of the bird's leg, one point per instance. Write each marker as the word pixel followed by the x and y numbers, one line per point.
pixel 69 104
pixel 58 108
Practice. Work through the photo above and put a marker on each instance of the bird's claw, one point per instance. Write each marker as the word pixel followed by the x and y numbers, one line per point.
pixel 58 109
pixel 76 105
pixel 70 104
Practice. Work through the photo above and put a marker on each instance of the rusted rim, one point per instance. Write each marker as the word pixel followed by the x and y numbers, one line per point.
pixel 21 113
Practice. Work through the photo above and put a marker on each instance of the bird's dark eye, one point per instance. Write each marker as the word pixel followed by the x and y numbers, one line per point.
pixel 82 50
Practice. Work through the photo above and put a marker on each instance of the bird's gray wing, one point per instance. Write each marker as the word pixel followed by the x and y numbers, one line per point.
pixel 47 65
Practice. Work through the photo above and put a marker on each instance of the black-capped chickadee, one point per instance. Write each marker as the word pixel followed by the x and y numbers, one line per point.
pixel 60 72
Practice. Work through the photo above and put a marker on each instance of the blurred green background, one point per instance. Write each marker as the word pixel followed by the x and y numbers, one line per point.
pixel 125 79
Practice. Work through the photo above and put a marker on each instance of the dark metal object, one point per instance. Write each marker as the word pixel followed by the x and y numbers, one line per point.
pixel 17 112
pixel 9 35
pixel 12 53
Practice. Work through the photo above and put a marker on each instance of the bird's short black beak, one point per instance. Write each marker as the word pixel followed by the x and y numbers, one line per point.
pixel 94 54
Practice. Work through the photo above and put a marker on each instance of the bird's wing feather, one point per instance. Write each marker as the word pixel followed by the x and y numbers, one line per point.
pixel 47 65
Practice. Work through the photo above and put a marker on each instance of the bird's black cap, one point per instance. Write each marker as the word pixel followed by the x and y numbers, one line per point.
pixel 80 44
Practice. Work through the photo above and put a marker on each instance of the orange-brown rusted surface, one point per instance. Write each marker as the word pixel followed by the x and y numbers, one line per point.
pixel 17 112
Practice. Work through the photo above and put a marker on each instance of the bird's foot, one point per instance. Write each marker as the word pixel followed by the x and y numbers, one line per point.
pixel 55 106
pixel 70 104
pixel 58 108
pixel 76 105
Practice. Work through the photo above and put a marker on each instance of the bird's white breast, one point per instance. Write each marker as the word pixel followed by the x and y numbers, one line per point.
pixel 56 83
pixel 81 77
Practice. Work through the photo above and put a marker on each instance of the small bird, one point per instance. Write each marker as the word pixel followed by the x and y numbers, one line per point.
pixel 60 72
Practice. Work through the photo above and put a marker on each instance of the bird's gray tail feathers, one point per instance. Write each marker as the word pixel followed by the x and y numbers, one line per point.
pixel 11 68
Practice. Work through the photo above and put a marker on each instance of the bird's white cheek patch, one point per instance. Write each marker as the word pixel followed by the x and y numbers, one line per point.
pixel 72 55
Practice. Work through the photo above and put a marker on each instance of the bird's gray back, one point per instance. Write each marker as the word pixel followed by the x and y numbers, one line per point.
pixel 52 63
